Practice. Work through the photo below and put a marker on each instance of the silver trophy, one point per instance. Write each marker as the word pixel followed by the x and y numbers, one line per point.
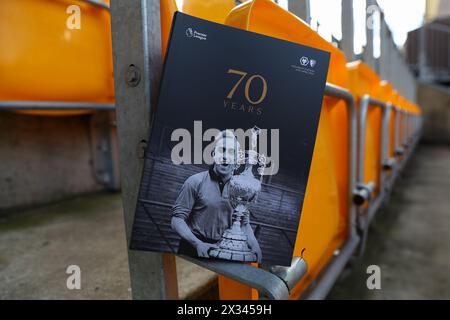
pixel 243 190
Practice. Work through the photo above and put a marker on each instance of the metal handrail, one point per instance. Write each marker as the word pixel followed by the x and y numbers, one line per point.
pixel 269 285
pixel 386 162
pixel 363 191
pixel 331 272
pixel 60 105
pixel 344 94
pixel 54 105
pixel 98 3
pixel 397 148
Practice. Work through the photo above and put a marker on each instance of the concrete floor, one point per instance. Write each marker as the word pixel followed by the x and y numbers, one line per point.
pixel 409 240
pixel 37 246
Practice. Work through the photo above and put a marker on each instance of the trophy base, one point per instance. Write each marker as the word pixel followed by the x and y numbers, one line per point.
pixel 233 246
pixel 233 255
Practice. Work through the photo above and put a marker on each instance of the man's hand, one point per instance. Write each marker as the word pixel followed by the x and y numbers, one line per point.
pixel 256 248
pixel 259 255
pixel 203 248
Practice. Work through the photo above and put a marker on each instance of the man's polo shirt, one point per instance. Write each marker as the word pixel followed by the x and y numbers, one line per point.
pixel 204 206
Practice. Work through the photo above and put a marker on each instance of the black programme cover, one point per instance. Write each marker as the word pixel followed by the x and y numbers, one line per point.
pixel 244 202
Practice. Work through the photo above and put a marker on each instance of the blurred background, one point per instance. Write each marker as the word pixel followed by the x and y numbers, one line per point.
pixel 60 201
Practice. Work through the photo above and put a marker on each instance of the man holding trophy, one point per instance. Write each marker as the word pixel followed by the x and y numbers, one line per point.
pixel 210 213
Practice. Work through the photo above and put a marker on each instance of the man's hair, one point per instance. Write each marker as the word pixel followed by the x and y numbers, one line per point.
pixel 227 134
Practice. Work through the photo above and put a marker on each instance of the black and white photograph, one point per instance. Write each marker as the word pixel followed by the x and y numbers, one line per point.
pixel 211 212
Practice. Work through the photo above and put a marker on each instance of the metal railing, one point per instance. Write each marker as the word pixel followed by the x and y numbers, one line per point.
pixel 98 3
pixel 60 105
pixel 54 105
pixel 410 134
pixel 402 149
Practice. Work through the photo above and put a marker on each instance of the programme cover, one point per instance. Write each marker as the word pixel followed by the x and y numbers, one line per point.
pixel 231 144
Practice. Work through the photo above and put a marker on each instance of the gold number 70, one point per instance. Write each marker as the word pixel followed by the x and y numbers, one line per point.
pixel 247 86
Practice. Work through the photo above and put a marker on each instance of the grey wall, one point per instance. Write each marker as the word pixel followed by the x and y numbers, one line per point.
pixel 300 8
pixel 44 159
pixel 435 103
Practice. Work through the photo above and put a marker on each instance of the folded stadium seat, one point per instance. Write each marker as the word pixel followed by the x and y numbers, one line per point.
pixel 212 10
pixel 44 60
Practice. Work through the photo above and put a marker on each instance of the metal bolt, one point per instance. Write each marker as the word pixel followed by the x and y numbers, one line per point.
pixel 133 75
pixel 142 147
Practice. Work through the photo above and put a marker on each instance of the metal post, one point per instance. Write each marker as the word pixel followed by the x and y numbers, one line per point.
pixel 300 8
pixel 136 34
pixel 105 156
pixel 363 191
pixel 408 128
pixel 384 43
pixel 347 29
pixel 397 146
pixel 368 51
pixel 404 133
pixel 385 160
pixel 423 53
